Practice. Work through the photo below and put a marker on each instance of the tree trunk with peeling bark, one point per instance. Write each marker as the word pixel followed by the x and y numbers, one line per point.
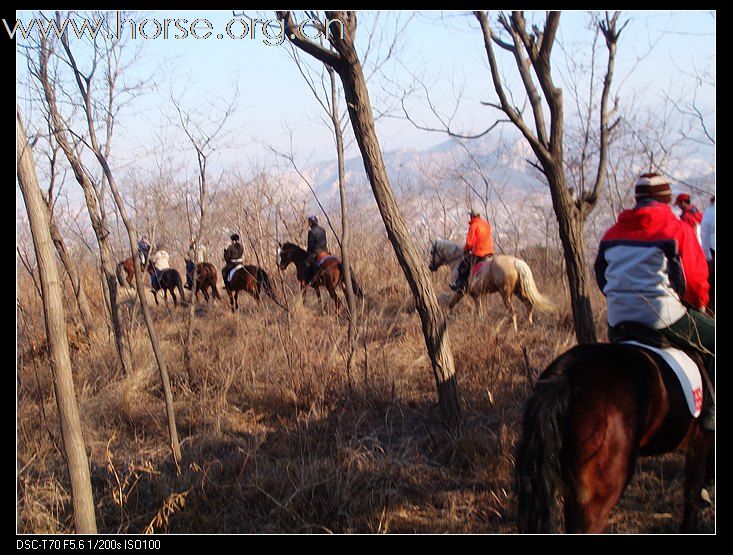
pixel 53 310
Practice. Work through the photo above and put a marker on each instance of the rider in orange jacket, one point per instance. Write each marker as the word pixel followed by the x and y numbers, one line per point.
pixel 478 247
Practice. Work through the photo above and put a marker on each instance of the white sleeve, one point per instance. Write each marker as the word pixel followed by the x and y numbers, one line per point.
pixel 707 231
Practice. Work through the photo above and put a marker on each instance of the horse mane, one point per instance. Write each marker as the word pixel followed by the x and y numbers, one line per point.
pixel 293 246
pixel 447 243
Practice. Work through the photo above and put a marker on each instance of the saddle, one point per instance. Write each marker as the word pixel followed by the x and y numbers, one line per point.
pixel 687 369
pixel 324 257
pixel 481 263
pixel 231 272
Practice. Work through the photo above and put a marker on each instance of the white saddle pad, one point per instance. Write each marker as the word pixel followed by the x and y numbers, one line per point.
pixel 231 273
pixel 687 373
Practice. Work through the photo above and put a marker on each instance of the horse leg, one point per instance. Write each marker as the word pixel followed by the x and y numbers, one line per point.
pixel 320 300
pixel 175 300
pixel 231 298
pixel 507 298
pixel 697 453
pixel 457 296
pixel 335 298
pixel 155 296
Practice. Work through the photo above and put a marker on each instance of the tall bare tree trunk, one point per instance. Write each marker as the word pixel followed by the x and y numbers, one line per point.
pixel 350 300
pixel 53 310
pixel 85 90
pixel 571 224
pixel 100 231
pixel 82 301
pixel 435 331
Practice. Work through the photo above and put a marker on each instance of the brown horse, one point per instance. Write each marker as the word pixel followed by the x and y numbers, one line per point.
pixel 251 279
pixel 206 279
pixel 167 280
pixel 330 274
pixel 594 410
pixel 129 268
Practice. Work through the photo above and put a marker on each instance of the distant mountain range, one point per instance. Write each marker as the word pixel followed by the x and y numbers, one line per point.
pixel 503 161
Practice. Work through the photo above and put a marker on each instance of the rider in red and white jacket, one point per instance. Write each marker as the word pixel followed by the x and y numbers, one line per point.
pixel 650 265
pixel 652 270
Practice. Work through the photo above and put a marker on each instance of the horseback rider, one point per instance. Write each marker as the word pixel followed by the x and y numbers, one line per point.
pixel 653 272
pixel 143 249
pixel 478 247
pixel 707 232
pixel 690 213
pixel 196 254
pixel 161 261
pixel 232 256
pixel 316 246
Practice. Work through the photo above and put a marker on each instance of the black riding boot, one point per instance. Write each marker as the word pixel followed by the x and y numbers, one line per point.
pixel 463 270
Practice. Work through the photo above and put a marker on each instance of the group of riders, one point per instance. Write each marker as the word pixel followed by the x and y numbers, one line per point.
pixel 656 269
pixel 233 254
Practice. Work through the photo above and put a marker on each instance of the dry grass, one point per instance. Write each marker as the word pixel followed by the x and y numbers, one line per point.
pixel 276 438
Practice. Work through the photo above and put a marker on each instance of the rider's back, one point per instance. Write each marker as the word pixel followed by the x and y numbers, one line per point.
pixel 647 264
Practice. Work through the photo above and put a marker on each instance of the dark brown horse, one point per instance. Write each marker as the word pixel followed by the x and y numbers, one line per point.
pixel 206 279
pixel 167 280
pixel 330 274
pixel 251 279
pixel 594 410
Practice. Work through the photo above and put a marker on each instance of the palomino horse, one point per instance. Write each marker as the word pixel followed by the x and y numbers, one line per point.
pixel 330 274
pixel 251 279
pixel 168 280
pixel 506 274
pixel 594 410
pixel 206 278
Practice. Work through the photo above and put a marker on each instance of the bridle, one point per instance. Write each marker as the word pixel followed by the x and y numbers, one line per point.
pixel 433 267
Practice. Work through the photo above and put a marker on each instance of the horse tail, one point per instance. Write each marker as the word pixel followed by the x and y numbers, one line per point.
pixel 355 287
pixel 537 470
pixel 179 285
pixel 528 289
pixel 264 279
pixel 213 278
pixel 118 271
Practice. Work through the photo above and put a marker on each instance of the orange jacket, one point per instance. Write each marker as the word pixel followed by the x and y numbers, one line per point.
pixel 478 240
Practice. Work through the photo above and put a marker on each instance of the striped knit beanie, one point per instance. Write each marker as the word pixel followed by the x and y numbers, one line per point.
pixel 654 186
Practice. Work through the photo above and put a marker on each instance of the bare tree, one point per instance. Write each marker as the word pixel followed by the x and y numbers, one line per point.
pixel 202 136
pixel 109 52
pixel 82 300
pixel 61 132
pixel 53 310
pixel 532 53
pixel 341 30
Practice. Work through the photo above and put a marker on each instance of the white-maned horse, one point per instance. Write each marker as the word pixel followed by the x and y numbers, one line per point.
pixel 503 273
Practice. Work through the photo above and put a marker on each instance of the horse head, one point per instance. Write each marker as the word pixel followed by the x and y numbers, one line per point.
pixel 442 252
pixel 287 253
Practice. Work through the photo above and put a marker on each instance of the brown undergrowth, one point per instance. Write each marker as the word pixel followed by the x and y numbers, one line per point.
pixel 277 438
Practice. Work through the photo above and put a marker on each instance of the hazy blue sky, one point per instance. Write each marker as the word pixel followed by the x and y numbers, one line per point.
pixel 444 49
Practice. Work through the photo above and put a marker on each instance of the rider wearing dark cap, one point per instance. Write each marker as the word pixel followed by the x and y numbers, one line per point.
pixel 232 255
pixel 316 245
